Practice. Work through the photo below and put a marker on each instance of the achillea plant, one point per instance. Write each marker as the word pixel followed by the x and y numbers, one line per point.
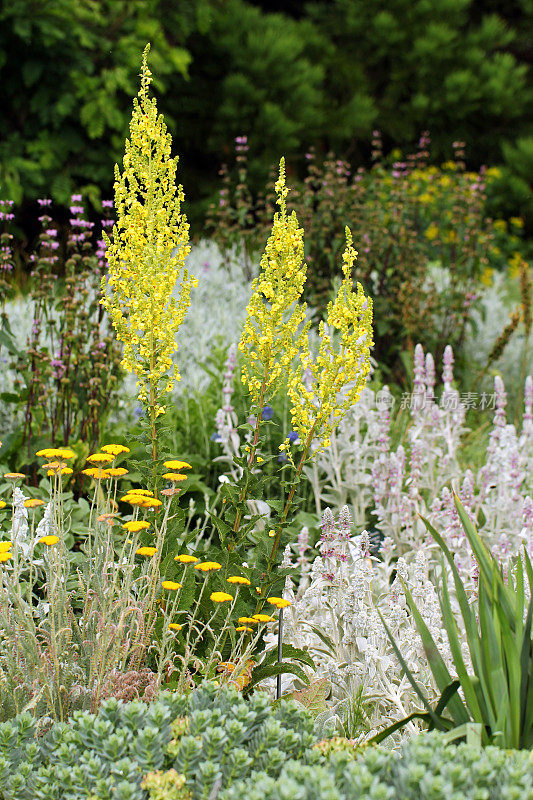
pixel 146 256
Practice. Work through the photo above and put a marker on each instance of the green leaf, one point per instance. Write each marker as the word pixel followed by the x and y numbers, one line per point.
pixel 260 672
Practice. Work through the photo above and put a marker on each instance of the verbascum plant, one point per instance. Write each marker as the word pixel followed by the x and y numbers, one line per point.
pixel 315 386
pixel 146 256
pixel 273 332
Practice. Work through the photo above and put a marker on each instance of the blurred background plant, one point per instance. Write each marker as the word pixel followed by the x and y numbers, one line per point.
pixel 285 75
pixel 64 380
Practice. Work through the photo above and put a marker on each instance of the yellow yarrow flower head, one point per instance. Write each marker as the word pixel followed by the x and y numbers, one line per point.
pixel 220 597
pixel 101 458
pixel 5 547
pixel 49 540
pixel 172 586
pixel 114 449
pixel 274 327
pixel 175 464
pixel 334 381
pixel 5 556
pixel 186 559
pixel 136 525
pixel 3 504
pixel 238 580
pixel 146 551
pixel 278 602
pixel 174 626
pixel 33 502
pixel 208 566
pixel 146 255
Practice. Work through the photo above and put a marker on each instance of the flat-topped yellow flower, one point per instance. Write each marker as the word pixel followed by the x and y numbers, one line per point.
pixel 238 580
pixel 278 602
pixel 220 597
pixel 6 556
pixel 247 621
pixel 208 566
pixel 185 558
pixel 263 618
pixel 3 504
pixel 5 546
pixel 151 502
pixel 172 586
pixel 146 492
pixel 243 628
pixel 33 502
pixel 49 540
pixel 14 476
pixel 56 452
pixel 136 525
pixel 60 471
pixel 146 551
pixel 114 449
pixel 116 472
pixel 94 472
pixel 175 477
pixel 174 626
pixel 101 458
pixel 176 464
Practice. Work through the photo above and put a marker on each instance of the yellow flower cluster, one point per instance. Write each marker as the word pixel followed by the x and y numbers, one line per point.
pixel 147 253
pixel 334 381
pixel 273 329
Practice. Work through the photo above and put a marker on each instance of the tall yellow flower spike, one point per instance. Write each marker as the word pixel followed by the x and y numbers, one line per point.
pixel 146 255
pixel 336 378
pixel 271 337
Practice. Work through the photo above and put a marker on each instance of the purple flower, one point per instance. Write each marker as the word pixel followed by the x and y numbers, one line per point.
pixel 292 436
pixel 268 413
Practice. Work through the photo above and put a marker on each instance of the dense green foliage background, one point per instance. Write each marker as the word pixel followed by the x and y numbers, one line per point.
pixel 321 73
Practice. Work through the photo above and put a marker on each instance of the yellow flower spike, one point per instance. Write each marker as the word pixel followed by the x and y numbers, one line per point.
pixel 220 597
pixel 238 580
pixel 49 540
pixel 116 472
pixel 34 502
pixel 174 477
pixel 101 458
pixel 14 476
pixel 263 618
pixel 171 585
pixel 186 559
pixel 147 253
pixel 5 556
pixel 275 319
pixel 136 525
pixel 278 602
pixel 338 376
pixel 208 566
pixel 146 551
pixel 176 465
pixel 5 546
pixel 114 449
pixel 174 626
